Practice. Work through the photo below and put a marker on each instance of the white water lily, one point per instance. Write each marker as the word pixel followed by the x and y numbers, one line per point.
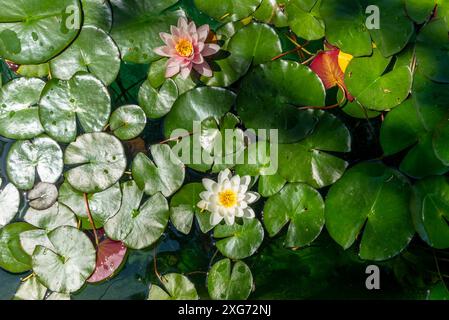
pixel 228 198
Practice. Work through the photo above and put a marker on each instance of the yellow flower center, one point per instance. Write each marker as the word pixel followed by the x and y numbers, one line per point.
pixel 228 198
pixel 184 48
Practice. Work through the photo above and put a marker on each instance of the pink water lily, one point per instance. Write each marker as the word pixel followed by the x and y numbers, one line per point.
pixel 186 48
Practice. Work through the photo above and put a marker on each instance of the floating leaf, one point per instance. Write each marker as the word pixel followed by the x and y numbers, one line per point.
pixel 300 205
pixel 31 289
pixel 164 174
pixel 272 11
pixel 19 114
pixel 97 13
pixel 326 66
pixel 9 202
pixel 100 160
pixel 369 82
pixel 42 196
pixel 228 10
pixel 176 287
pixel 158 102
pixel 31 34
pixel 373 199
pixel 430 211
pixel 103 205
pixel 239 241
pixel 138 226
pixel 65 267
pixel 128 122
pixel 102 60
pixel 137 24
pixel 110 256
pixel 42 155
pixel 271 185
pixel 224 283
pixel 304 19
pixel 12 257
pixel 83 97
pixel 419 10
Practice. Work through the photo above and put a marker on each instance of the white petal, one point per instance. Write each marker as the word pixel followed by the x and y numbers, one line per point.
pixel 209 184
pixel 239 212
pixel 215 218
pixel 248 213
pixel 243 204
pixel 251 197
pixel 235 181
pixel 229 219
pixel 245 180
pixel 206 195
pixel 225 174
pixel 202 205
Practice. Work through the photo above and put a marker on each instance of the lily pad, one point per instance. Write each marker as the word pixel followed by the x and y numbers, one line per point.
pixel 42 196
pixel 9 202
pixel 239 241
pixel 271 185
pixel 368 80
pixel 431 211
pixel 271 94
pixel 228 10
pixel 164 174
pixel 304 18
pixel 62 102
pixel 31 289
pixel 97 13
pixel 137 24
pixel 100 160
pixel 300 205
pixel 176 287
pixel 224 283
pixel 12 257
pixel 42 155
pixel 138 226
pixel 66 266
pixel 158 102
pixel 419 10
pixel 272 11
pixel 128 122
pixel 103 205
pixel 102 59
pixel 309 160
pixel 19 114
pixel 31 34
pixel 372 200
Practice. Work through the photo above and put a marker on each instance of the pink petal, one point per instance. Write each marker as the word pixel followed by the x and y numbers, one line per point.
pixel 192 28
pixel 210 49
pixel 167 38
pixel 185 71
pixel 203 69
pixel 203 32
pixel 163 51
pixel 182 23
pixel 173 68
pixel 176 33
pixel 198 59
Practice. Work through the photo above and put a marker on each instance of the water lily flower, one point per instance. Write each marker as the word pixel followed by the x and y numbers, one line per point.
pixel 228 198
pixel 186 48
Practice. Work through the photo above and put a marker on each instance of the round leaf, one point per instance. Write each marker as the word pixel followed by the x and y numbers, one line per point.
pixel 158 102
pixel 228 10
pixel 226 284
pixel 12 257
pixel 100 160
pixel 128 122
pixel 177 287
pixel 304 19
pixel 42 196
pixel 31 289
pixel 97 13
pixel 9 202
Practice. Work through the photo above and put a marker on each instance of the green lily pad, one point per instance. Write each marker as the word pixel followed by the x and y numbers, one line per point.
pixel 46 220
pixel 309 160
pixel 12 257
pixel 128 122
pixel 158 102
pixel 137 24
pixel 97 13
pixel 183 207
pixel 271 185
pixel 253 44
pixel 165 173
pixel 228 10
pixel 103 205
pixel 42 155
pixel 346 26
pixel 100 160
pixel 19 114
pixel 176 287
pixel 402 129
pixel 42 196
pixel 239 241
pixel 33 34
pixel 66 266
pixel 9 202
pixel 272 11
pixel 304 18
pixel 376 89
pixel 373 199
pixel 197 105
pixel 34 71
pixel 419 10
pixel 432 51
pixel 300 205
pixel 224 283
pixel 271 94
pixel 102 59
pixel 62 102
pixel 430 211
pixel 135 225
pixel 31 289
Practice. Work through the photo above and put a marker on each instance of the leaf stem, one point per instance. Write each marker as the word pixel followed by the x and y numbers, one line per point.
pixel 91 220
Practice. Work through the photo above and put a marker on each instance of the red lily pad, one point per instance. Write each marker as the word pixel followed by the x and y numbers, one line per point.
pixel 110 256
